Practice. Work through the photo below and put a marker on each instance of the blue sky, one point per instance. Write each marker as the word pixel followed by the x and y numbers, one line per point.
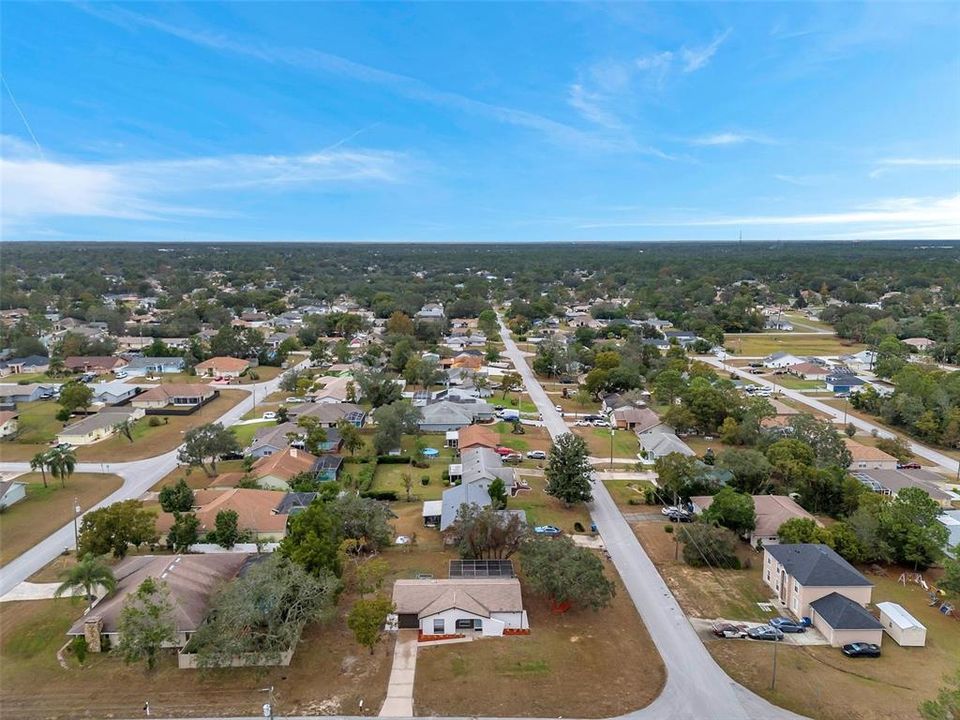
pixel 486 122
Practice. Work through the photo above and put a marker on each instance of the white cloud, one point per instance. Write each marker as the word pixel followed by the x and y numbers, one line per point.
pixel 731 138
pixel 589 105
pixel 888 164
pixel 696 58
pixel 34 188
pixel 880 216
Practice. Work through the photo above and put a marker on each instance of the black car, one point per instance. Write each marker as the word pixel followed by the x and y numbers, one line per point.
pixel 861 649
pixel 679 516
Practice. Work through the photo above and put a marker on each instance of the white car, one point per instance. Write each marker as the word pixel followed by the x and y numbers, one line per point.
pixel 120 374
pixel 293 400
pixel 558 408
pixel 270 415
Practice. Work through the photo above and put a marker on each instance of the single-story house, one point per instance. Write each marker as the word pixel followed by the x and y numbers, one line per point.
pixel 891 482
pixel 99 364
pixel 659 443
pixel 176 396
pixel 337 389
pixel 276 339
pixel 98 426
pixel 842 621
pixel 472 436
pixel 113 392
pixel 191 579
pixel 772 512
pixel 471 359
pixel 468 391
pixel 781 360
pixel 458 606
pixel 638 419
pixel 28 364
pixel 801 573
pixel 863 457
pixel 16 393
pixel 809 371
pixel 843 382
pixel 329 467
pixel 256 511
pixel 448 415
pixel 903 627
pixel 920 343
pixel 275 471
pixel 155 366
pixel 11 491
pixel 223 367
pixel 328 414
pixel 863 360
pixel 9 423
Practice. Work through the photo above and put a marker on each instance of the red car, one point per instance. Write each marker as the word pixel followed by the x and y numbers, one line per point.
pixel 504 451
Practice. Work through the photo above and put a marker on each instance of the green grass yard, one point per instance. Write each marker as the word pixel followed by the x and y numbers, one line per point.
pixel 245 433
pixel 761 344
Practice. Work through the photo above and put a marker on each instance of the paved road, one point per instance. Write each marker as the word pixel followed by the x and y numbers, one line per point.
pixel 138 476
pixel 944 461
pixel 696 687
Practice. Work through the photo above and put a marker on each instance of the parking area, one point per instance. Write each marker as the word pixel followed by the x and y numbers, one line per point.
pixel 812 636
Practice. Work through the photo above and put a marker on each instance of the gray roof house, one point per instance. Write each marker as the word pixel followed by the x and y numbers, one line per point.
pixel 155 365
pixel 448 415
pixel 661 442
pixel 477 469
pixel 329 414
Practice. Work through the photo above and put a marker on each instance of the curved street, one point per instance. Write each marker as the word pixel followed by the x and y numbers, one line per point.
pixel 138 477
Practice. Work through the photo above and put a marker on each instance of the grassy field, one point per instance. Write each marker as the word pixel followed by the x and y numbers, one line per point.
pixel 598 441
pixel 543 509
pixel 759 345
pixel 329 674
pixel 533 438
pixel 390 477
pixel 46 510
pixel 623 491
pixel 794 383
pixel 245 433
pixel 568 666
pixel 38 423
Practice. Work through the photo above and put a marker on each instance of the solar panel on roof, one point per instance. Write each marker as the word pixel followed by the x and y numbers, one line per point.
pixel 481 568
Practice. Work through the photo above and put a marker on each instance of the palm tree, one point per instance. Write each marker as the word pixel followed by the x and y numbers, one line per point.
pixel 40 462
pixel 125 428
pixel 89 573
pixel 62 462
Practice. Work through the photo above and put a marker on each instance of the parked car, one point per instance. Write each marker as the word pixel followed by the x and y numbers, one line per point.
pixel 764 632
pixel 270 415
pixel 757 371
pixel 547 530
pixel 841 395
pixel 678 515
pixel 558 408
pixel 513 457
pixel 536 455
pixel 908 466
pixel 787 625
pixel 583 423
pixel 293 400
pixel 729 630
pixel 120 374
pixel 861 649
pixel 504 451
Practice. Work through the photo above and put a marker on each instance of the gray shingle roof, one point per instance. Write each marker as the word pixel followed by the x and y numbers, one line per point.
pixel 817 566
pixel 842 613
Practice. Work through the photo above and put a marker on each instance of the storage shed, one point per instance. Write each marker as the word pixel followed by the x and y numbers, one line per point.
pixel 903 627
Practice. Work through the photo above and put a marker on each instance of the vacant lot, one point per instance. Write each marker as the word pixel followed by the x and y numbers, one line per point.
pixel 48 509
pixel 623 491
pixel 532 437
pixel 329 674
pixel 598 441
pixel 42 428
pixel 794 383
pixel 543 509
pixel 759 345
pixel 570 665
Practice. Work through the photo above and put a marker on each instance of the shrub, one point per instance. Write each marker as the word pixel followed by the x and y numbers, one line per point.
pixel 389 495
pixel 637 501
pixel 78 646
pixel 154 421
pixel 253 375
pixel 393 459
pixel 649 496
pixel 445 476
pixel 668 529
pixel 63 415
pixel 425 480
pixel 578 527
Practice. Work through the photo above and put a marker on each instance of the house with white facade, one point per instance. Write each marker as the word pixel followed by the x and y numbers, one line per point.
pixel 460 606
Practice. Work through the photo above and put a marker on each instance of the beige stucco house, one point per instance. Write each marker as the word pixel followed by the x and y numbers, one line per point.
pixel 813 581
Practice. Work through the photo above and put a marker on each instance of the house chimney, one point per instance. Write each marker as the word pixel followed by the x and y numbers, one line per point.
pixel 92 627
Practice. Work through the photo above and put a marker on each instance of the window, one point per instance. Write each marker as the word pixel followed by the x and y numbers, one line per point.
pixel 465 624
pixel 438 626
pixel 768 576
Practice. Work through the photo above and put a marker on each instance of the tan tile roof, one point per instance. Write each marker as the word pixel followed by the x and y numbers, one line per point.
pixel 479 596
pixel 165 392
pixel 75 362
pixel 866 453
pixel 474 435
pixel 255 509
pixel 285 464
pixel 772 512
pixel 8 415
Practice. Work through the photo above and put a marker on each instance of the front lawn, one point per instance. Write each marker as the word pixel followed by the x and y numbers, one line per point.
pixel 794 383
pixel 543 509
pixel 625 442
pixel 38 422
pixel 46 510
pixel 245 433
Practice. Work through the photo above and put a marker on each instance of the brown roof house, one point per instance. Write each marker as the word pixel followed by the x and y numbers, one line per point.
pixel 258 511
pixel 99 364
pixel 813 581
pixel 639 419
pixel 472 436
pixel 192 580
pixel 175 396
pixel 223 367
pixel 772 512
pixel 891 482
pixel 866 457
pixel 488 607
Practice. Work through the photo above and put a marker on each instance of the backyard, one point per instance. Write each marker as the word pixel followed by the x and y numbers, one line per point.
pixel 46 510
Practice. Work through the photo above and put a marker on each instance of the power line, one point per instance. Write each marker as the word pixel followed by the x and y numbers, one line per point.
pixel 23 117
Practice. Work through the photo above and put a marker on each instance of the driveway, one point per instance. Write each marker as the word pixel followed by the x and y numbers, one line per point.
pixel 138 477
pixel 696 687
pixel 703 627
pixel 944 461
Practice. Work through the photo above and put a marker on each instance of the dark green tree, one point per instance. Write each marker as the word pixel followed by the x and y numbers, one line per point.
pixel 568 470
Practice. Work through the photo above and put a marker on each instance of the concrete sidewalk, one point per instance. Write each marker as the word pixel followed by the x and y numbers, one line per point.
pixel 36 591
pixel 399 700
